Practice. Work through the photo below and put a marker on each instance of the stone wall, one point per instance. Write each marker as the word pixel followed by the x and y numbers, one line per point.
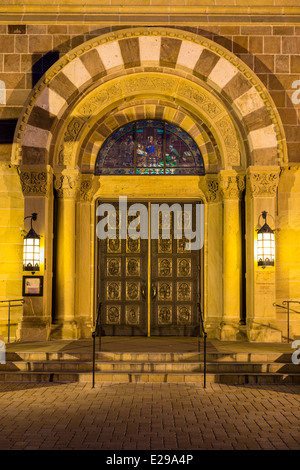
pixel 11 245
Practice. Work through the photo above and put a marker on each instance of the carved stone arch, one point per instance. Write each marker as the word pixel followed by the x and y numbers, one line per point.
pixel 139 50
pixel 145 109
pixel 196 101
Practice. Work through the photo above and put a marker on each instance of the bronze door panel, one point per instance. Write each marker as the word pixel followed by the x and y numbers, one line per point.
pixel 170 308
pixel 175 285
pixel 122 283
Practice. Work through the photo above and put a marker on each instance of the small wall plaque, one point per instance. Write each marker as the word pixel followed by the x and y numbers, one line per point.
pixel 33 286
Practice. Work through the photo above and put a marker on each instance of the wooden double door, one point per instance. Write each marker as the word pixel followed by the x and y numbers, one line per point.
pixel 149 286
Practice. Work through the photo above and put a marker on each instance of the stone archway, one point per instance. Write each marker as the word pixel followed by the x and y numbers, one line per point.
pixel 144 50
pixel 80 101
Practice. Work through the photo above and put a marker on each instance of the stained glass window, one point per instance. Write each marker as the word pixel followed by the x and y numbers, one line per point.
pixel 149 147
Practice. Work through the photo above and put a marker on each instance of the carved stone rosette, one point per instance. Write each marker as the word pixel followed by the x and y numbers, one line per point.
pixel 35 183
pixel 231 186
pixel 263 182
pixel 66 184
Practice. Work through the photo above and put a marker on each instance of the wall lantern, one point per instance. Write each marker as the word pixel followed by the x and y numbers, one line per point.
pixel 31 250
pixel 265 244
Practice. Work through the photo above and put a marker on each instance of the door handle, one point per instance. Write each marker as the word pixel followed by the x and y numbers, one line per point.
pixel 143 291
pixel 154 291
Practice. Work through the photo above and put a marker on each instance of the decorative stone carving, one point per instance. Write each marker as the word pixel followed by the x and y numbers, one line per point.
pixel 99 98
pixel 231 186
pixel 229 136
pixel 66 150
pixel 263 183
pixel 193 94
pixel 212 190
pixel 150 83
pixel 87 187
pixel 66 185
pixel 35 183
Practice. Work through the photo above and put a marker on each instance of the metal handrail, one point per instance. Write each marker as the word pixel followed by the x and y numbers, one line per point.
pixel 94 334
pixel 284 303
pixel 201 323
pixel 8 319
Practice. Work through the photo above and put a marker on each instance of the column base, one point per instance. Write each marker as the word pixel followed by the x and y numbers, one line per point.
pixel 233 332
pixel 33 330
pixel 66 330
pixel 264 334
pixel 213 330
pixel 84 327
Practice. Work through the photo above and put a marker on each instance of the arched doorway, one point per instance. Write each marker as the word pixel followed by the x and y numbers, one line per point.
pixel 118 79
pixel 149 279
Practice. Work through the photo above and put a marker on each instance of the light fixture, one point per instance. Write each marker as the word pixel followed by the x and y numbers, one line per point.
pixel 265 244
pixel 31 250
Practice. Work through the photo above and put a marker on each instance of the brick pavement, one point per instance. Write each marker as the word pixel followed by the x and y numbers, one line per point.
pixel 149 416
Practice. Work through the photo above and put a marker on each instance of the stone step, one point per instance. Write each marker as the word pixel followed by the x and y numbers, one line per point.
pixel 223 378
pixel 149 367
pixel 150 357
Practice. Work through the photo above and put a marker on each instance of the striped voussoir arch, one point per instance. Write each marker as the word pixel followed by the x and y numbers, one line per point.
pixel 144 50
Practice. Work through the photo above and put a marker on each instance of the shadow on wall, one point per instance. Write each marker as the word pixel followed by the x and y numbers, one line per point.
pixel 42 65
pixel 8 126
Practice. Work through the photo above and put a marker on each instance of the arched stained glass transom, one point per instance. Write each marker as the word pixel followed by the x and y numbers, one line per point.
pixel 149 147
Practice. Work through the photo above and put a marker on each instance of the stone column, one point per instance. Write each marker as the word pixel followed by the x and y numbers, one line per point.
pixel 66 185
pixel 262 185
pixel 38 197
pixel 231 186
pixel 85 253
pixel 213 257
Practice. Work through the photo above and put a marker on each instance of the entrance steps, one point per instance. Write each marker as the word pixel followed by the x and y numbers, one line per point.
pixel 222 368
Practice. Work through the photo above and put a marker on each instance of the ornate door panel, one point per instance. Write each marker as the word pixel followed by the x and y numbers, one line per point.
pixel 175 284
pixel 170 308
pixel 122 284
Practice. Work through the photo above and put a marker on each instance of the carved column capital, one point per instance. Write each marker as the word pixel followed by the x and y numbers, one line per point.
pixel 87 187
pixel 263 182
pixel 36 182
pixel 231 185
pixel 66 184
pixel 211 188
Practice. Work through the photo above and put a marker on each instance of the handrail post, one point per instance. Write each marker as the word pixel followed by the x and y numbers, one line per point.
pixel 199 329
pixel 8 323
pixel 205 335
pixel 9 301
pixel 288 323
pixel 201 322
pixel 94 334
pixel 94 354
pixel 288 302
pixel 99 327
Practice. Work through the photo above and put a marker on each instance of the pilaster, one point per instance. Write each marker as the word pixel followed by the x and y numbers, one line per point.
pixel 37 189
pixel 66 185
pixel 262 183
pixel 84 248
pixel 231 186
pixel 213 256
